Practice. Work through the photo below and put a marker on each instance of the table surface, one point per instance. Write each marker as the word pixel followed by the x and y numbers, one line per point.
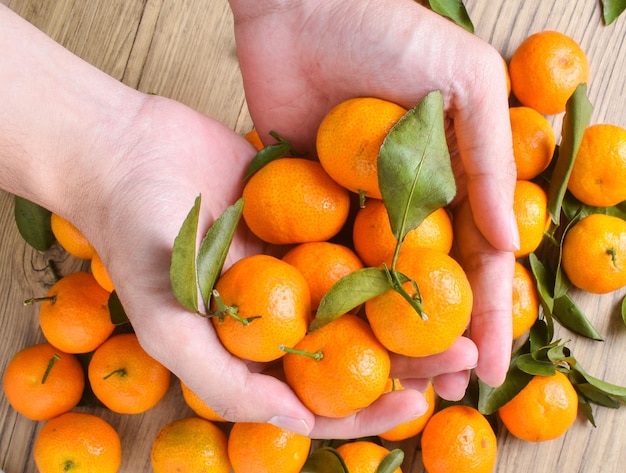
pixel 185 50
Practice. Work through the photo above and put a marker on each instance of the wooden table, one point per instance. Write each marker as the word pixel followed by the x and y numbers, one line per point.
pixel 185 49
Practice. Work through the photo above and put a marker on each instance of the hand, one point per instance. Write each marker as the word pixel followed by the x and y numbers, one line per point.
pixel 299 59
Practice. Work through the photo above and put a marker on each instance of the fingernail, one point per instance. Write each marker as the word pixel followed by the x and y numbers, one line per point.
pixel 292 424
pixel 514 232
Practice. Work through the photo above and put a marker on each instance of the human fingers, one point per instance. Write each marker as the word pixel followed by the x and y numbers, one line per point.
pixel 452 386
pixel 490 272
pixel 385 413
pixel 462 355
pixel 187 344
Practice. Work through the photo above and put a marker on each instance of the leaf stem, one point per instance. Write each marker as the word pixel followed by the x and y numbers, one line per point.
pixel 222 310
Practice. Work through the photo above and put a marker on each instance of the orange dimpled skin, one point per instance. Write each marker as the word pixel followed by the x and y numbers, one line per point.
pixel 363 456
pixel 190 444
pixel 322 264
pixel 276 293
pixel 74 316
pixel 530 206
pixel 458 439
pixel 525 300
pixel 264 448
pixel 293 200
pixel 543 410
pixel 545 70
pixel 375 243
pixel 533 141
pixel 594 253
pixel 41 382
pixel 125 378
pixel 77 442
pixel 446 298
pixel 349 138
pixel 351 374
pixel 70 237
pixel 598 176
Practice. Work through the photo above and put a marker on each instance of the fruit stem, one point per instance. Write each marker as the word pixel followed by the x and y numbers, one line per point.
pixel 231 310
pixel 121 372
pixel 415 301
pixel 51 363
pixel 69 465
pixel 613 254
pixel 361 198
pixel 317 356
pixel 33 300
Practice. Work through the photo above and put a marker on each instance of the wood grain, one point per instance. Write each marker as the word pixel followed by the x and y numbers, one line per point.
pixel 185 49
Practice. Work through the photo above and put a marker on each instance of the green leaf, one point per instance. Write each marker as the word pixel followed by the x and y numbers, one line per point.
pixel 268 154
pixel 575 121
pixel 612 9
pixel 607 388
pixel 116 310
pixel 454 10
pixel 593 394
pixel 528 364
pixel 392 461
pixel 214 249
pixel 540 335
pixel 414 169
pixel 545 286
pixel 491 399
pixel 324 460
pixel 623 307
pixel 350 292
pixel 183 275
pixel 585 408
pixel 569 315
pixel 33 223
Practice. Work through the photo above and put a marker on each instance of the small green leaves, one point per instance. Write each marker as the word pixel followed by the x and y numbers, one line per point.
pixel 612 9
pixel 575 121
pixel 324 460
pixel 214 248
pixel 192 272
pixel 183 266
pixel 455 11
pixel 33 223
pixel 623 309
pixel 414 169
pixel 350 292
pixel 268 154
pixel 392 461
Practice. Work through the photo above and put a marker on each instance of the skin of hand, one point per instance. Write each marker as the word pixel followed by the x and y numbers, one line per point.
pixel 300 58
pixel 125 167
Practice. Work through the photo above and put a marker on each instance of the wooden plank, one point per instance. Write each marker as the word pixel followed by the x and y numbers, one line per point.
pixel 184 49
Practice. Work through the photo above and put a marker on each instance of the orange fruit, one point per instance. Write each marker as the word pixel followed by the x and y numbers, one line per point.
pixel 74 315
pixel 274 291
pixel 363 456
pixel 322 264
pixel 70 237
pixel 458 438
pixel 375 243
pixel 545 70
pixel 125 378
pixel 533 141
pixel 77 441
pixel 543 410
pixel 349 138
pixel 100 273
pixel 507 77
pixel 198 406
pixel 351 374
pixel 265 448
pixel 530 206
pixel 293 200
pixel 599 171
pixel 594 253
pixel 190 444
pixel 525 300
pixel 411 427
pixel 254 139
pixel 41 382
pixel 446 298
